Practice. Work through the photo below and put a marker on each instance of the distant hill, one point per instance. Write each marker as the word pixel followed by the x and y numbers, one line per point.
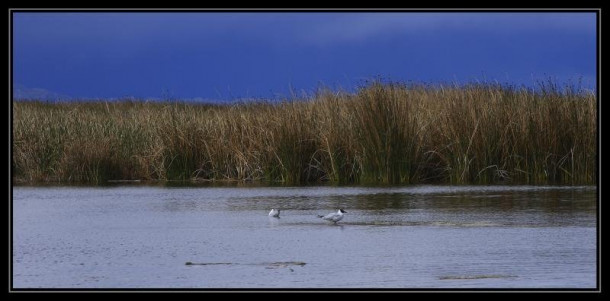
pixel 23 92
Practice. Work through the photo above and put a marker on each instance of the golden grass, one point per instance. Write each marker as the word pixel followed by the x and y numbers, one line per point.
pixel 387 133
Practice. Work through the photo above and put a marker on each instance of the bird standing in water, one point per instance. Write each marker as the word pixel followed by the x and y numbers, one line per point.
pixel 333 217
pixel 274 213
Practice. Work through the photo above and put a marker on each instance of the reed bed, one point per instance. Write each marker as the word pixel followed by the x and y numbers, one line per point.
pixel 384 133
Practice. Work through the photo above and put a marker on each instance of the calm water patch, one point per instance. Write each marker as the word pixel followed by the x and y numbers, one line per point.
pixel 397 237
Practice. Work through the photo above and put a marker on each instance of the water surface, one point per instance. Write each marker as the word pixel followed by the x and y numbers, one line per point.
pixel 398 237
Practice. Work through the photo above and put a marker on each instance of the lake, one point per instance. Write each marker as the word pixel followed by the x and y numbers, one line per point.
pixel 411 237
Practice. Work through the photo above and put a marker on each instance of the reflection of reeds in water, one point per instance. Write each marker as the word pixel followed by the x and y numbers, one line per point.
pixel 388 133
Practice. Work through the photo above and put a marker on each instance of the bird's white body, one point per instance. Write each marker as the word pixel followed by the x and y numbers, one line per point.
pixel 274 213
pixel 333 217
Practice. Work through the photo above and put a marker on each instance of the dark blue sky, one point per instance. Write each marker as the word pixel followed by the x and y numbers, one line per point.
pixel 240 55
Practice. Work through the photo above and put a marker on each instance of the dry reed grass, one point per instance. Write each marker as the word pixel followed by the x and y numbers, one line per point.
pixel 387 133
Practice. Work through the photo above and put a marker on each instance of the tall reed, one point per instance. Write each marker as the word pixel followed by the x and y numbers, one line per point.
pixel 385 132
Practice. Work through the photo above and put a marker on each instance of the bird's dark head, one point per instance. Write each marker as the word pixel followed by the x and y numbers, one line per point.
pixel 342 211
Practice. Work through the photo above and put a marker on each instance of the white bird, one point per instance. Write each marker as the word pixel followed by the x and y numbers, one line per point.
pixel 333 217
pixel 274 213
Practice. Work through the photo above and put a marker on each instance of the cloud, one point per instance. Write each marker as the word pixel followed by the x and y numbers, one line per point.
pixel 357 27
pixel 173 29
